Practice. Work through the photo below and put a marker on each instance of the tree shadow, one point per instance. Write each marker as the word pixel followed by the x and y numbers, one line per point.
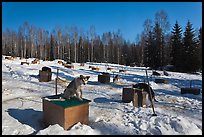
pixel 93 72
pixel 62 74
pixel 106 100
pixel 30 117
pixel 35 76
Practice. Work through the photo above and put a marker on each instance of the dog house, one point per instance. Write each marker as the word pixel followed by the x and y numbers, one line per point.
pixel 94 68
pixel 66 113
pixel 110 69
pixel 69 66
pixel 194 91
pixel 127 95
pixel 104 78
pixel 154 73
pixel 161 81
pixel 60 62
pixel 82 64
pixel 91 67
pixel 122 70
pixel 139 98
pixel 45 75
pixel 190 90
pixel 22 63
pixel 9 58
pixel 136 95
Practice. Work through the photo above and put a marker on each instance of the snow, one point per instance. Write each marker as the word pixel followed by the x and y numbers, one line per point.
pixel 177 114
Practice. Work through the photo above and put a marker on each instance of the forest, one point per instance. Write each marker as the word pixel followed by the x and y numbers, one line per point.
pixel 158 45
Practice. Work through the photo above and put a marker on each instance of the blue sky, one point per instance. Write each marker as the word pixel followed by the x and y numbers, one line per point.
pixel 105 16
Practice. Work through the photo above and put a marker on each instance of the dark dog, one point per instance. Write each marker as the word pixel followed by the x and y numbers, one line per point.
pixel 146 88
pixel 156 73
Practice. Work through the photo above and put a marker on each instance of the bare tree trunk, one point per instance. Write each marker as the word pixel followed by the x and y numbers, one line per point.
pixel 92 50
pixel 25 48
pixel 118 55
pixel 75 57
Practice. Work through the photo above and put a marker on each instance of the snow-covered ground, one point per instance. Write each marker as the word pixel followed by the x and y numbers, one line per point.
pixel 22 104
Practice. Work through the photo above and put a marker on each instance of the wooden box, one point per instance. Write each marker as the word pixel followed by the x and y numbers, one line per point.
pixel 82 64
pixel 139 98
pixel 14 57
pixel 45 76
pixel 110 69
pixel 65 113
pixel 69 66
pixel 194 91
pixel 161 81
pixel 123 70
pixel 97 69
pixel 91 67
pixel 127 95
pixel 22 58
pixel 104 78
pixel 156 73
pixel 9 58
pixel 22 63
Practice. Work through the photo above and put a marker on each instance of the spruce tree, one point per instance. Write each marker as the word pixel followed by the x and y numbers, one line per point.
pixel 158 58
pixel 191 61
pixel 200 47
pixel 149 51
pixel 176 46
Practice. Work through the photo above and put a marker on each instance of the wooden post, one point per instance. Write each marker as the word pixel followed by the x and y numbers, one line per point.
pixel 190 83
pixel 56 82
pixel 152 103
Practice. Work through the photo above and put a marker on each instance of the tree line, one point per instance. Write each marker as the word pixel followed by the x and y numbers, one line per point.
pixel 156 46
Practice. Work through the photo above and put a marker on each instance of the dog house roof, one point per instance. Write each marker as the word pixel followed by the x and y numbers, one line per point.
pixel 68 102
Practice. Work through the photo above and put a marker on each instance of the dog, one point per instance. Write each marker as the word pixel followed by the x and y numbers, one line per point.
pixel 116 78
pixel 145 87
pixel 156 73
pixel 74 87
pixel 166 74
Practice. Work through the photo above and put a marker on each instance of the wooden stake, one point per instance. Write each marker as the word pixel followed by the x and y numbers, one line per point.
pixel 56 82
pixel 150 95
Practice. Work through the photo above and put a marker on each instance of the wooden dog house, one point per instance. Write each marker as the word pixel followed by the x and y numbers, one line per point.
pixel 122 70
pixel 127 95
pixel 104 78
pixel 194 91
pixel 161 81
pixel 22 63
pixel 60 62
pixel 94 68
pixel 66 113
pixel 110 69
pixel 9 58
pixel 69 66
pixel 82 64
pixel 45 75
pixel 137 96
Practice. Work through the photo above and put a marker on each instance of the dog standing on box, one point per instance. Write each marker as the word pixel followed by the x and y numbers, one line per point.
pixel 74 87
